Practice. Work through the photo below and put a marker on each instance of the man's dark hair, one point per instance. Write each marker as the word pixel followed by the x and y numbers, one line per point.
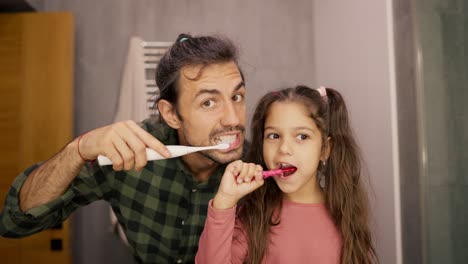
pixel 191 51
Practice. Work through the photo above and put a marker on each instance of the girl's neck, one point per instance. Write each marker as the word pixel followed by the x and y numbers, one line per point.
pixel 311 199
pixel 307 197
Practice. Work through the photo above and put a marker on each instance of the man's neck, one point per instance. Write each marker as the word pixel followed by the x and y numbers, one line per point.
pixel 200 166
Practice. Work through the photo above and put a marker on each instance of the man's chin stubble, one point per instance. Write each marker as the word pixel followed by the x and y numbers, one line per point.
pixel 218 160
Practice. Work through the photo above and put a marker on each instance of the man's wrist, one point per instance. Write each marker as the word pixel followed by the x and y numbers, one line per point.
pixel 71 150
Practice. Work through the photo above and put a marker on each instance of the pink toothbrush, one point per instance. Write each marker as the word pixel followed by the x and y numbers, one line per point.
pixel 270 173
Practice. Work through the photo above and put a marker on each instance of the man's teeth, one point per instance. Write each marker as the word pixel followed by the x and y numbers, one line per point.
pixel 226 139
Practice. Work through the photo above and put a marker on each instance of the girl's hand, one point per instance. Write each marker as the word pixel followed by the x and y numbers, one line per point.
pixel 239 179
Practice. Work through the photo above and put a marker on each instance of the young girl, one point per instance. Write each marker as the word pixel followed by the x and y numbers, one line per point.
pixel 317 214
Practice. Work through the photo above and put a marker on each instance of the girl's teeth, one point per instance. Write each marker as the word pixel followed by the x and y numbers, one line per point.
pixel 284 165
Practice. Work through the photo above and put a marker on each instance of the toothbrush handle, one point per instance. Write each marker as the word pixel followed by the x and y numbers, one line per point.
pixel 270 173
pixel 103 160
pixel 175 150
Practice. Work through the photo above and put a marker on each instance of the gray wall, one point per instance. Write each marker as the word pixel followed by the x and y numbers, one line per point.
pixel 354 53
pixel 275 37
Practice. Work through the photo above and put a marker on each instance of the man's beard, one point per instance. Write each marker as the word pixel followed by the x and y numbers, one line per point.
pixel 223 158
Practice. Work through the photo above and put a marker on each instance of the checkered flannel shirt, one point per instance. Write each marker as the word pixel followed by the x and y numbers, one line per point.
pixel 161 208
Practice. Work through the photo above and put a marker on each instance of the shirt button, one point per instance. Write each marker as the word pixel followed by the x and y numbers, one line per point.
pixel 194 190
pixel 179 261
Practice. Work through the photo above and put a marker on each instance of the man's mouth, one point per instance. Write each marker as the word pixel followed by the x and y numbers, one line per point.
pixel 234 141
pixel 227 139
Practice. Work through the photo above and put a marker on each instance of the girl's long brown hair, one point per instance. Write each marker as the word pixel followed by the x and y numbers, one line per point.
pixel 345 196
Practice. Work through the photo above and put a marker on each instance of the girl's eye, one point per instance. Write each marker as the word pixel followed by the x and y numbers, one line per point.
pixel 302 137
pixel 238 98
pixel 208 104
pixel 272 136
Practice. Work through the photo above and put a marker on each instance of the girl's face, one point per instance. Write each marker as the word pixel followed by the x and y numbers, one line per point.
pixel 291 138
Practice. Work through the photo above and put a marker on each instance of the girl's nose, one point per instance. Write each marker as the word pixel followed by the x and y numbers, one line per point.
pixel 285 147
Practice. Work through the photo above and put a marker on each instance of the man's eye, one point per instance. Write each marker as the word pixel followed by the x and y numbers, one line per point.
pixel 208 104
pixel 238 98
pixel 302 137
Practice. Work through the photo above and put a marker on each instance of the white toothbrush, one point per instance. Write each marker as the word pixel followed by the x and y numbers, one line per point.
pixel 175 150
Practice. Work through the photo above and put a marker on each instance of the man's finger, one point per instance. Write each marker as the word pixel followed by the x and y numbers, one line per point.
pixel 149 140
pixel 135 144
pixel 125 152
pixel 114 156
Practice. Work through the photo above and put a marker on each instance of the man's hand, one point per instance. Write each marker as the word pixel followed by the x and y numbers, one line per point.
pixel 239 179
pixel 124 143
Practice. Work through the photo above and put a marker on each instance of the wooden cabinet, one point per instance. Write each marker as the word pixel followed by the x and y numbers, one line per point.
pixel 36 115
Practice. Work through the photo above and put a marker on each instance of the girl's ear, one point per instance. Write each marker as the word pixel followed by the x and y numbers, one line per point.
pixel 168 113
pixel 326 151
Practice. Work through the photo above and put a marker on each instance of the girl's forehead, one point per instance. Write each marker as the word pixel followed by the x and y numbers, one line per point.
pixel 284 108
pixel 289 113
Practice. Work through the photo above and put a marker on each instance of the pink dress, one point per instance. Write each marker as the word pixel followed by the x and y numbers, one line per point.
pixel 306 234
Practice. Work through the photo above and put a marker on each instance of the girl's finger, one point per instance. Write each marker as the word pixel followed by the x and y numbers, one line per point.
pixel 250 172
pixel 258 173
pixel 243 173
pixel 234 167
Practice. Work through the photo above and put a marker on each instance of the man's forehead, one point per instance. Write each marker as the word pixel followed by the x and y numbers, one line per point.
pixel 194 72
pixel 205 75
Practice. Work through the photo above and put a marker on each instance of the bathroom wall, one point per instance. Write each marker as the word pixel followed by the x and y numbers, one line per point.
pixel 354 52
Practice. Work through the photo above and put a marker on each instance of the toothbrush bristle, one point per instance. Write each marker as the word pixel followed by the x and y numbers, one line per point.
pixel 223 146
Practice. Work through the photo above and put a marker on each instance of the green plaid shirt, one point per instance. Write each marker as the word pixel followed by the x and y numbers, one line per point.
pixel 162 208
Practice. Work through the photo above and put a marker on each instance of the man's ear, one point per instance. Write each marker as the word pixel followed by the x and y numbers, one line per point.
pixel 168 113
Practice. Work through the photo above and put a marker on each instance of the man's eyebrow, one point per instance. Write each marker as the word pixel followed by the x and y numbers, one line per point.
pixel 207 91
pixel 215 91
pixel 240 85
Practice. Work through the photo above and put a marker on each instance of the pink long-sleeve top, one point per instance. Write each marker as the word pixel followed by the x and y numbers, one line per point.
pixel 306 234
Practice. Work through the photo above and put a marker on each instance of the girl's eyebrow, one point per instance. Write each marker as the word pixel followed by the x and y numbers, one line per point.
pixel 304 128
pixel 293 128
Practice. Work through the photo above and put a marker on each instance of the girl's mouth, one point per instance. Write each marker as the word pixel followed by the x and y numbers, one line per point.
pixel 287 169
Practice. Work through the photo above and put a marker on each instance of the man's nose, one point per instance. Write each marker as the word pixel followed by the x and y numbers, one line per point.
pixel 230 115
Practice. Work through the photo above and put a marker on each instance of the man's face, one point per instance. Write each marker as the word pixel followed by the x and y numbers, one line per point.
pixel 212 109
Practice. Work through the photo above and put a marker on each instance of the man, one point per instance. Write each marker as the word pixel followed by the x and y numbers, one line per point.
pixel 161 204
